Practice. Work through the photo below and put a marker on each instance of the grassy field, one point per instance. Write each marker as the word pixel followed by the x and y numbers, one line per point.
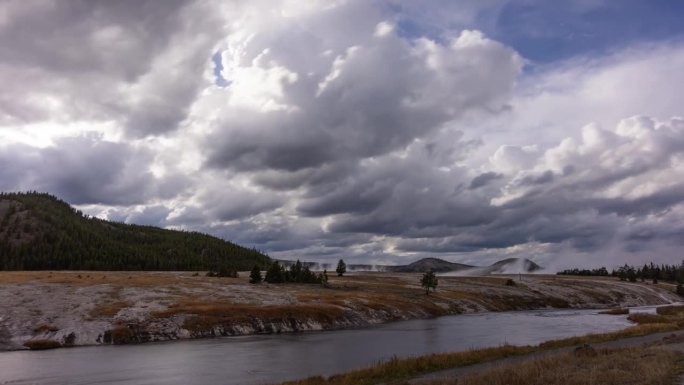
pixel 618 311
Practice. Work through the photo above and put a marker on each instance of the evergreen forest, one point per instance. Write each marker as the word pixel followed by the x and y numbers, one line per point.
pixel 41 232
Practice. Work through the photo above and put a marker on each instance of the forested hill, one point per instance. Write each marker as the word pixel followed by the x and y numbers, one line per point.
pixel 39 231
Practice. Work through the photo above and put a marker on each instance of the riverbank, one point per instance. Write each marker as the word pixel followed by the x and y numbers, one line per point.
pixel 447 368
pixel 89 308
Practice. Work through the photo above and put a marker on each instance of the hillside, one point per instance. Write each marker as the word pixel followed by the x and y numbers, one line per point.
pixel 505 266
pixel 41 232
pixel 429 264
pixel 524 265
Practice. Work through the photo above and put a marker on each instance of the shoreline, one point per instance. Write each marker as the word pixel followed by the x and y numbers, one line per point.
pixel 141 307
pixel 426 369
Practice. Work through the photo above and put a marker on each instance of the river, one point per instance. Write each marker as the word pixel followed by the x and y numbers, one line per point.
pixel 272 358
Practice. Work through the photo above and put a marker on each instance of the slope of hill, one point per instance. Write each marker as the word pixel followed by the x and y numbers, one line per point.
pixel 39 231
pixel 522 264
pixel 505 266
pixel 429 264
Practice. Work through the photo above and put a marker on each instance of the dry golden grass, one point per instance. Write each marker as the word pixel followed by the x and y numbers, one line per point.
pixel 121 335
pixel 109 309
pixel 42 328
pixel 645 318
pixel 634 366
pixel 633 331
pixel 89 278
pixel 42 344
pixel 211 314
pixel 618 311
pixel 673 310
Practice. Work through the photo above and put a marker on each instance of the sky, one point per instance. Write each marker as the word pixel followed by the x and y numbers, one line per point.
pixel 376 131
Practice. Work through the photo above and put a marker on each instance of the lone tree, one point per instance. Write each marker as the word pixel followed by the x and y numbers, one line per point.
pixel 341 268
pixel 255 275
pixel 429 281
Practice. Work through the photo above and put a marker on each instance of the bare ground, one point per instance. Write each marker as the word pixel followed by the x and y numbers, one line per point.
pixel 85 308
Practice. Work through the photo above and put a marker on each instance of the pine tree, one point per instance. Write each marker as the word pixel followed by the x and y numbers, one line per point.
pixel 275 273
pixel 296 272
pixel 429 281
pixel 255 275
pixel 341 268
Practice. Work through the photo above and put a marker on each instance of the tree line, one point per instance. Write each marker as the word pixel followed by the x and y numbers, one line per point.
pixel 297 273
pixel 650 271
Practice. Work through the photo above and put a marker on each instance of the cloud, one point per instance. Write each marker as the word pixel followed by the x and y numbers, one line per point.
pixel 153 215
pixel 87 170
pixel 373 131
pixel 483 179
pixel 292 117
pixel 139 64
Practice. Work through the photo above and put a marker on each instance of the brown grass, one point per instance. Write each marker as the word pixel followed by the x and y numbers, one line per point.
pixel 210 314
pixel 634 331
pixel 634 366
pixel 121 335
pixel 42 328
pixel 109 309
pixel 645 318
pixel 88 278
pixel 42 344
pixel 670 310
pixel 243 310
pixel 618 311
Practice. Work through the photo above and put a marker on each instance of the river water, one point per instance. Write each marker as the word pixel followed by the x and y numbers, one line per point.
pixel 272 358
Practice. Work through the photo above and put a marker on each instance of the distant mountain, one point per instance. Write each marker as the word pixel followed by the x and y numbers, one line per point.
pixel 524 263
pixel 41 232
pixel 428 264
pixel 505 266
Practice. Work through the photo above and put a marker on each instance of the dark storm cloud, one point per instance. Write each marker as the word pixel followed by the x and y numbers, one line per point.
pixel 103 60
pixel 232 204
pixel 64 36
pixel 484 179
pixel 543 178
pixel 400 196
pixel 86 171
pixel 654 203
pixel 584 231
